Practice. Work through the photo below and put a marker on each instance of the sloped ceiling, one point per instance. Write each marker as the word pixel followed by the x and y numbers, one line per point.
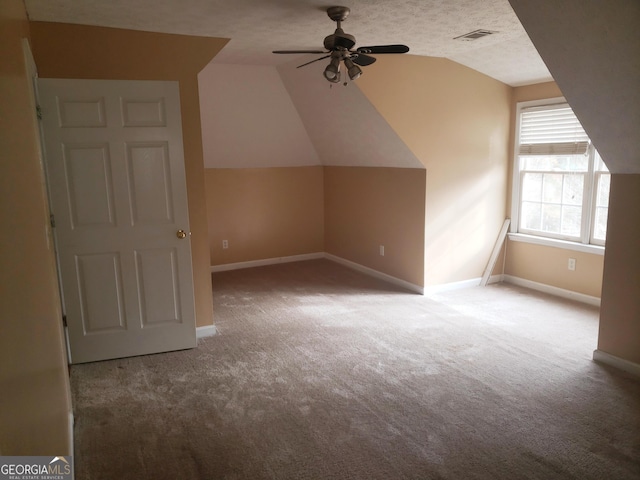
pixel 344 126
pixel 263 116
pixel 249 121
pixel 593 50
pixel 256 27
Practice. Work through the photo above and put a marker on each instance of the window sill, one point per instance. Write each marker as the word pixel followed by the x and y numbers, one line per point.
pixel 553 242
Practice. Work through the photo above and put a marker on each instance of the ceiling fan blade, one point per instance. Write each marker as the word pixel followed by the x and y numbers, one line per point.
pixel 384 49
pixel 362 59
pixel 299 51
pixel 317 59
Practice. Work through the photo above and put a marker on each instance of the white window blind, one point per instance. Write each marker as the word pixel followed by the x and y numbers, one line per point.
pixel 551 131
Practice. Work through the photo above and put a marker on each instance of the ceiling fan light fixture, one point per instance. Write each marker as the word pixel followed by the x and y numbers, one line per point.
pixel 353 70
pixel 340 48
pixel 334 79
pixel 332 72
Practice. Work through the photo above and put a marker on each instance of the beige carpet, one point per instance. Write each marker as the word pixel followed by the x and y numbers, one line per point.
pixel 319 372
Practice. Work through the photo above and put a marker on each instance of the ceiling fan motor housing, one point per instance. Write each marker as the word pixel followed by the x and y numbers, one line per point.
pixel 339 40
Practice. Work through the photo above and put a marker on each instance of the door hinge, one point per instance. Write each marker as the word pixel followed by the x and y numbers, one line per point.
pixel 64 320
pixel 39 112
pixel 52 220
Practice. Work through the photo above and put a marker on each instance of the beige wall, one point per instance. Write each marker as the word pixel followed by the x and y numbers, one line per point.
pixel 345 211
pixel 549 266
pixel 264 212
pixel 456 121
pixel 369 207
pixel 542 264
pixel 77 51
pixel 620 309
pixel 34 386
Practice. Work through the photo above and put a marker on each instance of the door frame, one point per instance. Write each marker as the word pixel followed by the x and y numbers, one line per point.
pixel 32 72
pixel 32 76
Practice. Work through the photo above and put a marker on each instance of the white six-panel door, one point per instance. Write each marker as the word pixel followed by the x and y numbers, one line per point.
pixel 115 166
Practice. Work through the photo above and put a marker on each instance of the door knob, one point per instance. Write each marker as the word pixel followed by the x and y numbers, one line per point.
pixel 181 234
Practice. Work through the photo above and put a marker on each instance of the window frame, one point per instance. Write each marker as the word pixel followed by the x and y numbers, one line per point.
pixel 586 242
pixel 597 174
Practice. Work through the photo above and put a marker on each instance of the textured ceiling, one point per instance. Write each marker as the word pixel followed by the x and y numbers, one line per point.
pixel 256 27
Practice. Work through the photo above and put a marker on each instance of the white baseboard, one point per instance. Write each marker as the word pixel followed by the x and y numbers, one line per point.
pixel 71 421
pixel 551 290
pixel 473 282
pixel 206 331
pixel 447 287
pixel 375 273
pixel 267 261
pixel 71 445
pixel 617 362
pixel 314 256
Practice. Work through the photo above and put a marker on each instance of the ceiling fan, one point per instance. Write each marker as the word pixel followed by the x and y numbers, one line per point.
pixel 339 47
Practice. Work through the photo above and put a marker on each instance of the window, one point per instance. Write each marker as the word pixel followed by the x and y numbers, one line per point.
pixel 561 185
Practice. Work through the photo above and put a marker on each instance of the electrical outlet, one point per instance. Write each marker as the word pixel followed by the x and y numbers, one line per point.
pixel 225 244
pixel 572 264
pixel 382 250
